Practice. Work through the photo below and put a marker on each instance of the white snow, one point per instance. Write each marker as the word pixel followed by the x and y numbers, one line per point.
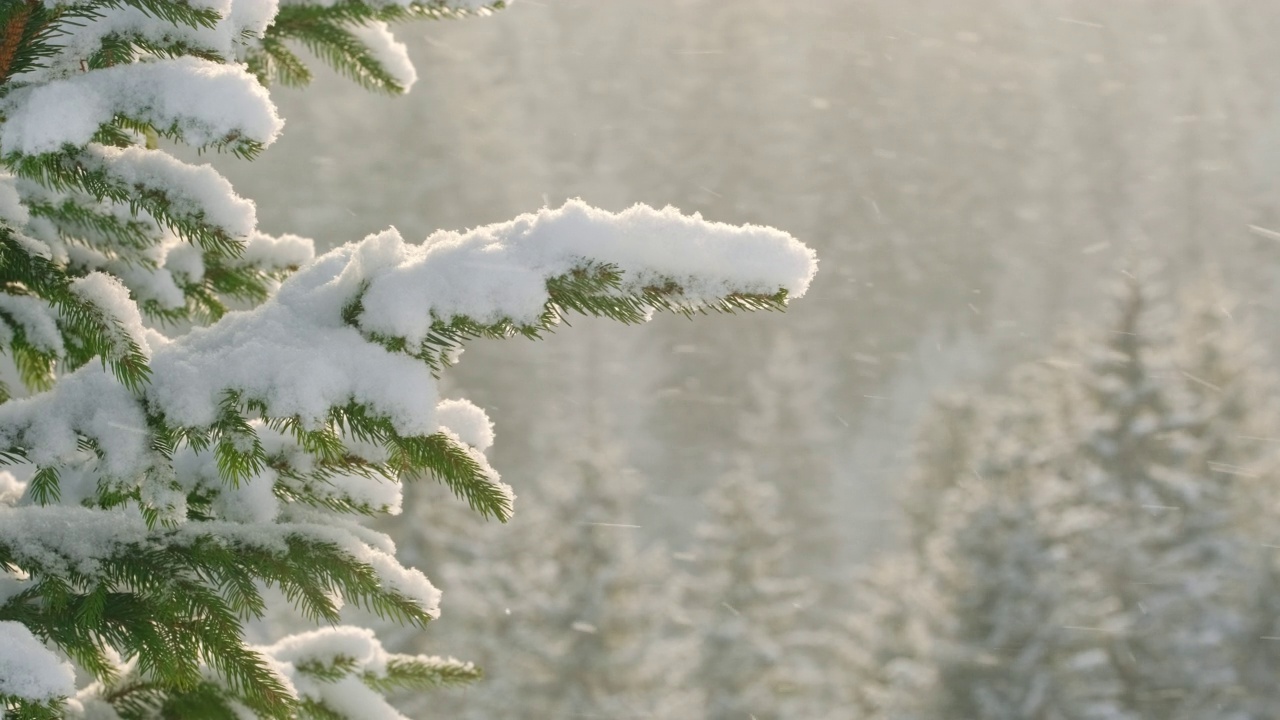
pixel 192 189
pixel 148 283
pixel 206 102
pixel 358 644
pixel 111 297
pixel 276 252
pixel 186 260
pixel 88 402
pixel 468 422
pixel 12 211
pixel 389 52
pixel 11 490
pixel 33 246
pixel 28 669
pixel 299 360
pixel 500 271
pixel 37 319
pixel 347 695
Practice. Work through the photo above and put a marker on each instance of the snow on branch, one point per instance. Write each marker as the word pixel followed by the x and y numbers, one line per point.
pixel 209 29
pixel 519 277
pixel 348 349
pixel 92 546
pixel 194 201
pixel 85 556
pixel 204 103
pixel 344 671
pixel 430 8
pixel 497 275
pixel 501 272
pixel 28 670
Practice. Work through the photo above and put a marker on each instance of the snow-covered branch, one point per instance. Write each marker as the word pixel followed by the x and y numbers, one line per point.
pixel 160 482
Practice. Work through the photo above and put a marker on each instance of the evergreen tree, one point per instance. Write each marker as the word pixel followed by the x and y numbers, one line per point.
pixel 888 638
pixel 1017 633
pixel 943 457
pixel 897 601
pixel 1168 539
pixel 761 643
pixel 167 480
pixel 620 655
pixel 571 608
pixel 1240 457
pixel 785 431
pixel 1105 555
pixel 993 620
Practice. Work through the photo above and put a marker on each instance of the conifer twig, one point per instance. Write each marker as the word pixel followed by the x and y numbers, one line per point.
pixel 13 32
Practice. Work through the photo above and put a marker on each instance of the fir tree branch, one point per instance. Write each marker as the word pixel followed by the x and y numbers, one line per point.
pixel 325 31
pixel 274 60
pixel 13 27
pixel 95 334
pixel 176 12
pixel 341 49
pixel 24 709
pixel 73 171
pixel 405 672
pixel 93 225
pixel 122 48
pixel 357 12
pixel 594 289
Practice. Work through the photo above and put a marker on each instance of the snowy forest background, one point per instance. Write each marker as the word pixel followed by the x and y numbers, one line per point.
pixel 1014 456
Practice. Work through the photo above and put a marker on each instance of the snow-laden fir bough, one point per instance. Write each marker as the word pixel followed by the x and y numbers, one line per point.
pixel 160 481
